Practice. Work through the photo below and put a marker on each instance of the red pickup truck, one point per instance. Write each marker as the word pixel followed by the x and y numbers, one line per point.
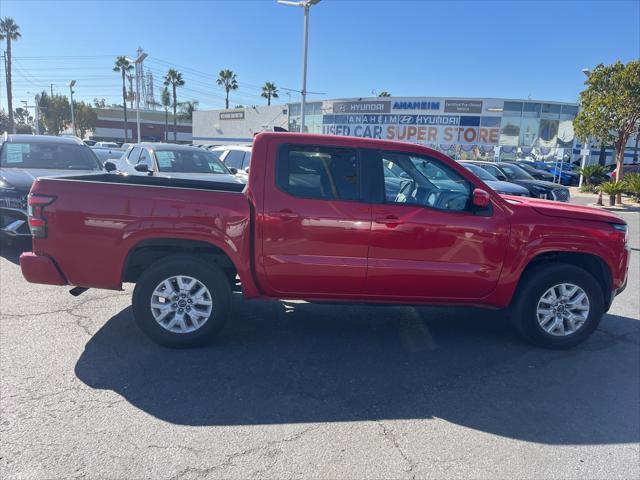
pixel 326 218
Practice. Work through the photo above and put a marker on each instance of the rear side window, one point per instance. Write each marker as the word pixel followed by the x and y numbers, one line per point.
pixel 247 160
pixel 234 158
pixel 318 172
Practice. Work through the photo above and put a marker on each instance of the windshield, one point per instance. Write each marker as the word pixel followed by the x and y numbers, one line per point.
pixel 189 161
pixel 480 173
pixel 513 172
pixel 55 156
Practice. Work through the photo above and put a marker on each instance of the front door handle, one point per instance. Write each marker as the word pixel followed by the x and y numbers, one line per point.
pixel 286 214
pixel 388 220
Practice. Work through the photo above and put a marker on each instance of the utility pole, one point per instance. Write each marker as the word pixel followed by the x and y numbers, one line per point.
pixel 73 120
pixel 52 90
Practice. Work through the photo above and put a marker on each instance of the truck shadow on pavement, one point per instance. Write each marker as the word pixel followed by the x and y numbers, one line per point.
pixel 282 362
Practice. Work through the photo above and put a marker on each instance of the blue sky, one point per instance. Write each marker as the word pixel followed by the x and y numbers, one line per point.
pixel 515 49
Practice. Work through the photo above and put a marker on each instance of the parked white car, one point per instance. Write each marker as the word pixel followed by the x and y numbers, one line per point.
pixel 173 161
pixel 235 156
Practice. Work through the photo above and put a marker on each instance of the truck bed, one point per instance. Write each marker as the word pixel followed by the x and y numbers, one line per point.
pixel 95 220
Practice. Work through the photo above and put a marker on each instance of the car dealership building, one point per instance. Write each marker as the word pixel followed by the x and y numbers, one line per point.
pixel 461 127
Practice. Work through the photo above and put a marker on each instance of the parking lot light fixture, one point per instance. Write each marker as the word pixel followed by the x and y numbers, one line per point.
pixel 306 4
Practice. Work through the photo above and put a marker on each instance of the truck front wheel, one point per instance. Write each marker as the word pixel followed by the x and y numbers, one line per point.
pixel 557 306
pixel 181 301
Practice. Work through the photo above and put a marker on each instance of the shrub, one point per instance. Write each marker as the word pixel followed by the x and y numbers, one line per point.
pixel 631 185
pixel 611 188
pixel 593 174
pixel 588 188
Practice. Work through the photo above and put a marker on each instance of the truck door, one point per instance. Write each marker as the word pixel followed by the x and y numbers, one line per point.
pixel 426 241
pixel 316 226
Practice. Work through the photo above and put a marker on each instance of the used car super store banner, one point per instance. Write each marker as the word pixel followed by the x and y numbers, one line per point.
pixel 418 121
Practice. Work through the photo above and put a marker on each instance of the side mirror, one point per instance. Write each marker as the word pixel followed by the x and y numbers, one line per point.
pixel 233 170
pixel 110 166
pixel 502 178
pixel 481 198
pixel 143 167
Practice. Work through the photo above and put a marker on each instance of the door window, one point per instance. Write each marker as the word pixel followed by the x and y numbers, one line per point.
pixel 318 172
pixel 145 158
pixel 234 159
pixel 247 160
pixel 133 155
pixel 424 181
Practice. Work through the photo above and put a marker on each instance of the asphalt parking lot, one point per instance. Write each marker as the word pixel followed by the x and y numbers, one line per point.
pixel 292 390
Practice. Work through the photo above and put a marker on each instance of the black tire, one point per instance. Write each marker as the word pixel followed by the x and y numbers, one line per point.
pixel 534 284
pixel 207 274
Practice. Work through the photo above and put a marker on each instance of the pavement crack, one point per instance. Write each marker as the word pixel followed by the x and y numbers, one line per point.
pixel 389 435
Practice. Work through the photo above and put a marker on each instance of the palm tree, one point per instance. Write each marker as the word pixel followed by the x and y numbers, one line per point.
pixel 9 31
pixel 384 93
pixel 187 109
pixel 165 101
pixel 174 78
pixel 228 80
pixel 269 91
pixel 123 66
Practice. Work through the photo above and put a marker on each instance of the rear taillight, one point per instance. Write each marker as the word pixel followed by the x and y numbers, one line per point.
pixel 35 208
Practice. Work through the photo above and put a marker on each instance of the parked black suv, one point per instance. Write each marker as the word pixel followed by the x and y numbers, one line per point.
pixel 23 158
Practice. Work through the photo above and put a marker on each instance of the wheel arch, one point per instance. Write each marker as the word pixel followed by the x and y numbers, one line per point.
pixel 148 251
pixel 589 262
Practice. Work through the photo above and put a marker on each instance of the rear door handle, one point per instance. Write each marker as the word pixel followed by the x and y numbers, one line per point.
pixel 286 214
pixel 388 220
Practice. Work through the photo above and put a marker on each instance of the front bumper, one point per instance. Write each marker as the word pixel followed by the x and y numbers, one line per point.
pixel 40 269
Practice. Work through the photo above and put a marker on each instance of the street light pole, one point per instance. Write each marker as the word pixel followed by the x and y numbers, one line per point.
pixel 585 146
pixel 73 119
pixel 306 4
pixel 137 62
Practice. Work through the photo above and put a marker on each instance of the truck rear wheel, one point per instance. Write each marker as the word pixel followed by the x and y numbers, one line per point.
pixel 181 301
pixel 557 306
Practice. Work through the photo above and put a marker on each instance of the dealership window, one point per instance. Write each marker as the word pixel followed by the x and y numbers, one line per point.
pixel 566 135
pixel 550 110
pixel 510 131
pixel 318 172
pixel 512 108
pixel 548 133
pixel 569 110
pixel 529 129
pixel 531 110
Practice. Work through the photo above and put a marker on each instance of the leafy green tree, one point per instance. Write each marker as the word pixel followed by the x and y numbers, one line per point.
pixel 99 103
pixel 123 66
pixel 4 122
pixel 384 93
pixel 56 112
pixel 23 121
pixel 187 109
pixel 227 79
pixel 165 101
pixel 85 116
pixel 610 107
pixel 174 78
pixel 9 31
pixel 269 91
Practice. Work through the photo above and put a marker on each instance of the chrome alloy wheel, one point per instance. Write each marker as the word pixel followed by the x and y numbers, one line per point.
pixel 181 304
pixel 563 309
